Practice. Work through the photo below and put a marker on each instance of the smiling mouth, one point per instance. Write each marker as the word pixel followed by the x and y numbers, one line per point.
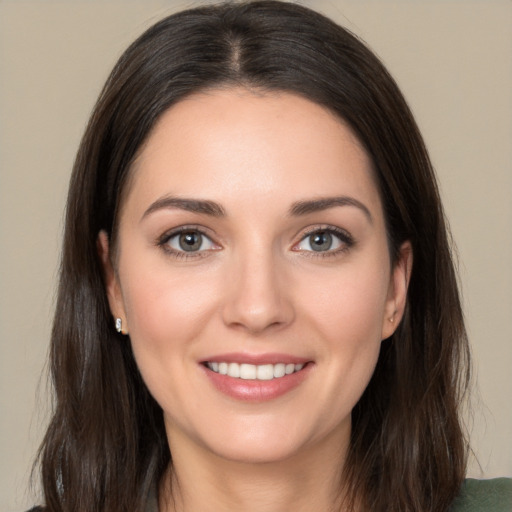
pixel 254 372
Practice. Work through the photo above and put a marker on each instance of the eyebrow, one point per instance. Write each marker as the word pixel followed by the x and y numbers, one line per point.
pixel 190 205
pixel 214 209
pixel 324 203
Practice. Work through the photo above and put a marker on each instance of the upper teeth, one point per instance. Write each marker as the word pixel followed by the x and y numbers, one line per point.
pixel 252 371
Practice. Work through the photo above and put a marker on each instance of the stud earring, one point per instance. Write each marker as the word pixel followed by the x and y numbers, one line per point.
pixel 119 325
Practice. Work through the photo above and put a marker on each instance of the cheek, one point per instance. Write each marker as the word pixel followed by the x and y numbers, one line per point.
pixel 166 308
pixel 347 310
pixel 348 305
pixel 166 312
pixel 342 310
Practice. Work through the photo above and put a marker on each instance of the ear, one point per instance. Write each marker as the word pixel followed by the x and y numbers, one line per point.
pixel 112 287
pixel 397 291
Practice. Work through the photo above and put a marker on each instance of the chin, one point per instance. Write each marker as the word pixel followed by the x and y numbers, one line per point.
pixel 267 443
pixel 256 453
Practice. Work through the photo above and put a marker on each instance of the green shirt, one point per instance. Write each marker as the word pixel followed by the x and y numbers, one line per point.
pixel 476 496
pixel 484 496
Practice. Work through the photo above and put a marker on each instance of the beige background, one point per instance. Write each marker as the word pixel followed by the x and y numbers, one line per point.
pixel 452 59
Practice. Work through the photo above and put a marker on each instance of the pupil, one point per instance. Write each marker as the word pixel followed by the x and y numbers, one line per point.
pixel 321 241
pixel 190 241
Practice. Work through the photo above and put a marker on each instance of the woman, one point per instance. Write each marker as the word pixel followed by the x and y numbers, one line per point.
pixel 257 306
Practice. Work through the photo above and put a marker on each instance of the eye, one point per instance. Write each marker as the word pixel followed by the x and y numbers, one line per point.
pixel 189 241
pixel 325 240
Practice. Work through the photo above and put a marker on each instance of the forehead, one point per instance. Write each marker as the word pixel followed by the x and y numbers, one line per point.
pixel 235 143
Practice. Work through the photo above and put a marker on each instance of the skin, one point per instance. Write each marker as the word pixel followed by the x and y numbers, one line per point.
pixel 254 287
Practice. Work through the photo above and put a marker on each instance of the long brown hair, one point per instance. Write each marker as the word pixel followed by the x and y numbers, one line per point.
pixel 106 442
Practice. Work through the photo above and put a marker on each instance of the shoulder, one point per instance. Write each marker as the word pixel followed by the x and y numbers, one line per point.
pixel 484 495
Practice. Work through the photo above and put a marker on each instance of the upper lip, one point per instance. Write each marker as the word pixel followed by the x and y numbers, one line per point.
pixel 255 359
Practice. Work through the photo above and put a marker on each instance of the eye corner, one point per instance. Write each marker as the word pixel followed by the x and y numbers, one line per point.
pixel 331 241
pixel 187 242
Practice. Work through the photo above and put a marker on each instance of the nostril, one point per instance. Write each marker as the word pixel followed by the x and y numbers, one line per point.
pixel 255 297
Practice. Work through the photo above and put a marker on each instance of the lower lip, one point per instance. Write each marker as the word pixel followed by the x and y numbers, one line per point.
pixel 253 390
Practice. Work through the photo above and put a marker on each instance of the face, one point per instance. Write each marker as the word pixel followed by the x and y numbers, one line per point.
pixel 252 274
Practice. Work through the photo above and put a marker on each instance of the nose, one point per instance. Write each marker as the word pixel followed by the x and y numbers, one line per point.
pixel 258 295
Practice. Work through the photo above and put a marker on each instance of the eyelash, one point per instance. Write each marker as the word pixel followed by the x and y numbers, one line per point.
pixel 163 242
pixel 346 240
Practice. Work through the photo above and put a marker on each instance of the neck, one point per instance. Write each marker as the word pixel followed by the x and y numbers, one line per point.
pixel 201 480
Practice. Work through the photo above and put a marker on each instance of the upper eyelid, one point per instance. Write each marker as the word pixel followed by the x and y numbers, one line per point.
pixel 183 229
pixel 345 238
pixel 299 236
pixel 305 232
pixel 163 243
